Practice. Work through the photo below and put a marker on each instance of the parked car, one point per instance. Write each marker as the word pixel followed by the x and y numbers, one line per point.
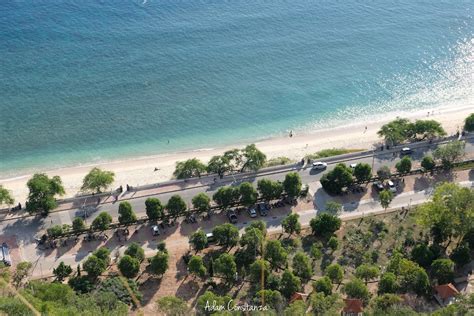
pixel 232 216
pixel 353 165
pixel 262 209
pixel 378 186
pixel 155 230
pixel 391 186
pixel 406 151
pixel 252 212
pixel 319 165
pixel 210 238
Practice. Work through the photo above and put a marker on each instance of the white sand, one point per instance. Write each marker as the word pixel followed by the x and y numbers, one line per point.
pixel 140 171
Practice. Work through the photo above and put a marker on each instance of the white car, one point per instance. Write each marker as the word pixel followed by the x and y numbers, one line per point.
pixel 252 212
pixel 353 165
pixel 406 151
pixel 319 165
pixel 391 186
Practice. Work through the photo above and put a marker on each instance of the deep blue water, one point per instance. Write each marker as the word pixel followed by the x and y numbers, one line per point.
pixel 82 81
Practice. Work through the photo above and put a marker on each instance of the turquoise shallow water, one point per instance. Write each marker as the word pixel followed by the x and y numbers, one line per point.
pixel 83 81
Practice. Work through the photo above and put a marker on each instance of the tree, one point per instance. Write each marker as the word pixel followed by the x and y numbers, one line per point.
pixel 291 224
pixel 78 224
pixel 396 131
pixel 356 288
pixel 97 180
pixel 333 207
pixel 154 209
pixel 461 255
pixel 323 285
pixel 449 153
pixel 226 235
pixel 469 123
pixel 41 198
pixel 290 284
pixel 219 165
pixel 322 304
pixel 260 225
pixel 198 240
pixel 189 168
pixel 126 214
pixel 302 266
pixel 269 190
pixel 55 231
pixel 296 308
pixel 450 212
pixel 428 163
pixel 404 165
pixel 5 196
pixel 62 271
pixel 367 272
pixel 21 272
pixel 324 225
pixel 226 196
pixel 273 300
pixel 254 159
pixel 94 266
pixel 257 269
pixel 384 173
pixel 337 179
pixel 385 302
pixel 386 198
pixel 422 255
pixel 135 251
pixel 292 184
pixel 443 270
pixel 333 243
pixel 427 129
pixel 225 266
pixel 103 253
pixel 315 252
pixel 248 194
pixel 159 263
pixel 252 239
pixel 208 299
pixel 172 306
pixel 388 283
pixel 196 266
pixel 334 272
pixel 411 277
pixel 275 253
pixel 363 172
pixel 128 266
pixel 201 202
pixel 176 205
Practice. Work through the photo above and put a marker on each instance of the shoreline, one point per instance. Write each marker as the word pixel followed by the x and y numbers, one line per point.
pixel 139 170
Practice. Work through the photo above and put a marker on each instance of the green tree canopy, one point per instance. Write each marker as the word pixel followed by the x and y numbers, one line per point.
pixel 172 306
pixel 386 198
pixel 443 270
pixel 275 253
pixel 367 272
pixel 196 266
pixel 449 153
pixel 102 221
pixel 5 196
pixel 333 243
pixel 189 168
pixel 126 213
pixel 129 266
pixel 207 299
pixel 410 276
pixel 388 283
pixel 290 284
pixel 269 190
pixel 252 240
pixel 461 255
pixel 248 194
pixel 97 180
pixel 159 263
pixel 333 207
pixel 62 271
pixel 292 184
pixel 94 266
pixel 198 240
pixel 176 205
pixel 296 308
pixel 427 129
pixel 103 253
pixel 291 224
pixel 322 304
pixel 356 288
pixel 334 272
pixel 337 179
pixel 323 285
pixel 253 158
pixel 396 131
pixel 226 235
pixel 201 202
pixel 404 165
pixel 469 123
pixel 422 255
pixel 302 266
pixel 226 196
pixel 225 266
pixel 384 173
pixel 363 172
pixel 428 163
pixel 154 208
pixel 257 269
pixel 219 165
pixel 135 251
pixel 324 225
pixel 78 224
pixel 41 198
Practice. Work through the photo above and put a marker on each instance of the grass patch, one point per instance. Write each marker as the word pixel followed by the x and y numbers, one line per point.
pixel 466 166
pixel 278 161
pixel 332 152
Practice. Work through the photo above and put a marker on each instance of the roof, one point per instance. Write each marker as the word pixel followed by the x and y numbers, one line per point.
pixel 297 296
pixel 353 306
pixel 445 291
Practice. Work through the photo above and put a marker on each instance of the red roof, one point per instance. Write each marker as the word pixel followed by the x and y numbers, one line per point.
pixel 446 291
pixel 298 296
pixel 353 305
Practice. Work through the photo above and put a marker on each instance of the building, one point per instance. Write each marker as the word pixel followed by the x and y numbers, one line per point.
pixel 445 294
pixel 297 296
pixel 353 307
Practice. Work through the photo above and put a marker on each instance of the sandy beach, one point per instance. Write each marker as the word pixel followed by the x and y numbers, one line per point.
pixel 140 171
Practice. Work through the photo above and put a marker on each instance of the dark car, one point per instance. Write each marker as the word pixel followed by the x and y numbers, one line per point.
pixel 232 216
pixel 379 186
pixel 262 209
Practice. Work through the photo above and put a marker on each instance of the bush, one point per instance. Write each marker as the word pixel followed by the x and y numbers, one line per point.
pixel 135 251
pixel 323 285
pixel 128 266
pixel 116 285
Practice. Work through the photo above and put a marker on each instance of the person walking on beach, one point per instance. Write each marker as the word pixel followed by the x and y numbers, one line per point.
pixel 291 133
pixel 365 130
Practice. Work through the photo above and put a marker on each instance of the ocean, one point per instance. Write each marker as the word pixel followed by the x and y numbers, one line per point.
pixel 87 81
